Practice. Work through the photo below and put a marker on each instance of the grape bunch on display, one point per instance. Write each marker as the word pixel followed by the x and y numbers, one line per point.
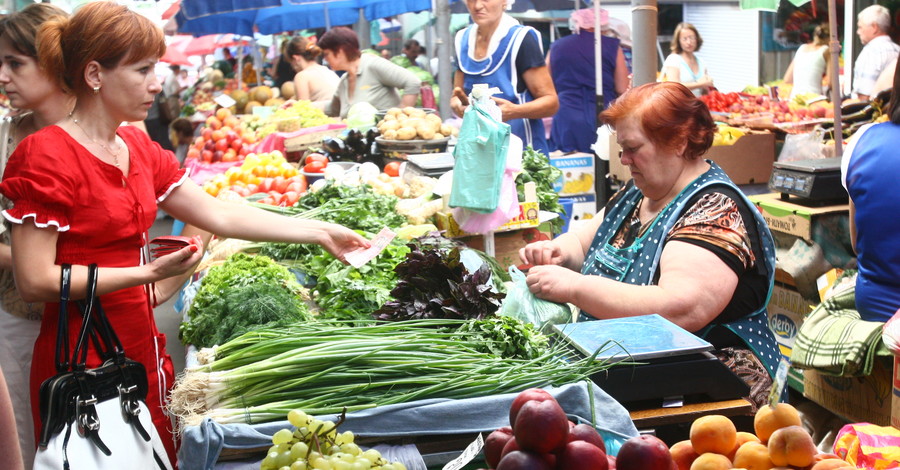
pixel 317 445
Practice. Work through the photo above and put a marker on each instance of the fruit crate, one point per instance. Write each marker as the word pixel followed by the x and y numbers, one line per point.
pixel 304 139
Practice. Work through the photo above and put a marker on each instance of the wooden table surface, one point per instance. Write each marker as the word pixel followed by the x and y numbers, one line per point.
pixel 688 413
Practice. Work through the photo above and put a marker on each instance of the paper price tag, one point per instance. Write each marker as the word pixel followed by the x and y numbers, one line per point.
pixel 362 256
pixel 224 101
pixel 470 452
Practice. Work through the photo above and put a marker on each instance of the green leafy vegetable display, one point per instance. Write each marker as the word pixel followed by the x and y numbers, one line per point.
pixel 536 167
pixel 504 337
pixel 245 293
pixel 436 285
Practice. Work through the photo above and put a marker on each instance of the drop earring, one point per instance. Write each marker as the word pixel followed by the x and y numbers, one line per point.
pixel 96 89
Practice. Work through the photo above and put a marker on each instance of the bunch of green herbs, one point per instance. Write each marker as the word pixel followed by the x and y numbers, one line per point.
pixel 245 293
pixel 536 167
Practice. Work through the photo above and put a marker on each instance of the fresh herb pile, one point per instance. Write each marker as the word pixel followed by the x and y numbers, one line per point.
pixel 436 284
pixel 536 167
pixel 503 337
pixel 356 207
pixel 245 293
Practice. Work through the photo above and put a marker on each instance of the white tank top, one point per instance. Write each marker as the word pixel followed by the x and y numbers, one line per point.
pixel 809 68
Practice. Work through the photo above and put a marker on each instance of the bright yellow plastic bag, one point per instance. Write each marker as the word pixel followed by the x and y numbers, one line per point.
pixel 869 446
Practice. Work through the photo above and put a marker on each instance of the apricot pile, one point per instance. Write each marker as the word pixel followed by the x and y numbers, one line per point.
pixel 779 442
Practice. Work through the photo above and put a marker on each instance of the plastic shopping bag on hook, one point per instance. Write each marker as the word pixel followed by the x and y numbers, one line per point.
pixel 521 304
pixel 480 155
pixel 508 204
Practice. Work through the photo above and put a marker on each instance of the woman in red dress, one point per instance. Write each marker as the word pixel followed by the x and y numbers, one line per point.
pixel 86 191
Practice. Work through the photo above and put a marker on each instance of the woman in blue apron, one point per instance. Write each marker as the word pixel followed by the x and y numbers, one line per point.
pixel 498 51
pixel 679 239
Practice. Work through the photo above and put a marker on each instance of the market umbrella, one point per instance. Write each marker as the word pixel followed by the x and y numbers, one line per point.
pixel 202 45
pixel 290 15
pixel 175 57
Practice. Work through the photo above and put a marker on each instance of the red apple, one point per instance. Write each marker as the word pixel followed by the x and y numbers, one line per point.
pixel 541 426
pixel 644 452
pixel 581 455
pixel 524 396
pixel 587 433
pixel 493 445
pixel 523 460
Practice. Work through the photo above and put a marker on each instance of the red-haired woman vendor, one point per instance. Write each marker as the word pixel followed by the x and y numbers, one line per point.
pixel 679 239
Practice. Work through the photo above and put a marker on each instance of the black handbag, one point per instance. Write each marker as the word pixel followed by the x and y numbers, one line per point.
pixel 85 399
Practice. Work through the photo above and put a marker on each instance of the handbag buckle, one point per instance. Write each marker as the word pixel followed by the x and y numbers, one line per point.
pixel 130 407
pixel 87 415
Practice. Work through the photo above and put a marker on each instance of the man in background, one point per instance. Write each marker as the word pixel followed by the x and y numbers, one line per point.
pixel 413 51
pixel 872 26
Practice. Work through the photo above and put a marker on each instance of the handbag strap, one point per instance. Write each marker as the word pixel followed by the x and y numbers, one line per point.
pixel 62 329
pixel 79 355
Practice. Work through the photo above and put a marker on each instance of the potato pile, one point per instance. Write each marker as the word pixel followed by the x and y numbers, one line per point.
pixel 413 124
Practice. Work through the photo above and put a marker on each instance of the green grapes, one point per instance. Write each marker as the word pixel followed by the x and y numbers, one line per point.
pixel 317 445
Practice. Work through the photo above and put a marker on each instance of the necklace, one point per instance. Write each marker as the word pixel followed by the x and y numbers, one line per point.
pixel 115 154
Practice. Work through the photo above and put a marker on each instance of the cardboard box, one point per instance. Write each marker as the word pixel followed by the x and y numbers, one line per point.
pixel 507 244
pixel 578 173
pixel 857 399
pixel 787 309
pixel 747 161
pixel 794 219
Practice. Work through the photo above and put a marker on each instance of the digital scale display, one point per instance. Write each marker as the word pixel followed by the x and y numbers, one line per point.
pixel 816 179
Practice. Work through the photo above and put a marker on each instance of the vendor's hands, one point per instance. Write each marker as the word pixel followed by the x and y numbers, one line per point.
pixel 506 107
pixel 553 283
pixel 459 101
pixel 339 240
pixel 542 253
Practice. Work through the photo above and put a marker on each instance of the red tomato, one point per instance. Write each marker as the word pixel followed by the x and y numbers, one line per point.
pixel 296 186
pixel 265 185
pixel 316 157
pixel 392 169
pixel 253 188
pixel 289 198
pixel 280 184
pixel 267 200
pixel 314 167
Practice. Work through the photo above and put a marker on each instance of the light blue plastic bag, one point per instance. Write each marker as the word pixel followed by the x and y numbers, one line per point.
pixel 522 305
pixel 480 157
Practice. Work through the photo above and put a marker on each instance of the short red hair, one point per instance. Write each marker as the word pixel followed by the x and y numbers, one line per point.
pixel 670 116
pixel 106 32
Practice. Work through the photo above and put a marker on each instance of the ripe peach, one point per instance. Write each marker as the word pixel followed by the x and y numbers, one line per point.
pixel 587 433
pixel 753 455
pixel 832 464
pixel 523 460
pixel 792 446
pixel 713 433
pixel 742 438
pixel 683 454
pixel 493 445
pixel 711 461
pixel 768 420
pixel 581 455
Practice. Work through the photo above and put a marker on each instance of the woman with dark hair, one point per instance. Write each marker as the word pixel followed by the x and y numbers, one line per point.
pixel 87 191
pixel 683 65
pixel 869 169
pixel 41 102
pixel 369 78
pixel 313 81
pixel 679 239
pixel 810 64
